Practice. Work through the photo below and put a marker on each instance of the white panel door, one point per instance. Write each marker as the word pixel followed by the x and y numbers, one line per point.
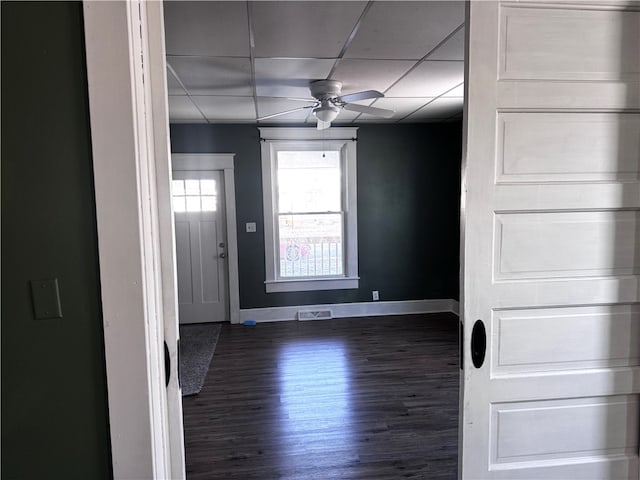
pixel 201 246
pixel 551 242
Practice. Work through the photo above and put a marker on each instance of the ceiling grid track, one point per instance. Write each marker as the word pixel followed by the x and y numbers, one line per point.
pixel 442 95
pixel 350 38
pixel 347 44
pixel 418 63
pixel 252 46
pixel 250 40
pixel 175 75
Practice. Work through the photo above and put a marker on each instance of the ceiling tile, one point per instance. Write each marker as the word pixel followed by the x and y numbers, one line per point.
pixel 429 79
pixel 213 75
pixel 456 92
pixel 405 30
pixel 182 109
pixel 289 77
pixel 402 106
pixel 269 106
pixel 439 109
pixel 303 29
pixel 173 85
pixel 452 49
pixel 206 28
pixel 358 75
pixel 227 109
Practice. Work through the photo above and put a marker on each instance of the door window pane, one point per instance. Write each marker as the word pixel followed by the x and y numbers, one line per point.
pixel 178 187
pixel 179 204
pixel 193 204
pixel 209 203
pixel 192 187
pixel 208 187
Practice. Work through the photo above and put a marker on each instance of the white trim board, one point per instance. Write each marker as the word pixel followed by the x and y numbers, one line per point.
pixel 130 143
pixel 346 310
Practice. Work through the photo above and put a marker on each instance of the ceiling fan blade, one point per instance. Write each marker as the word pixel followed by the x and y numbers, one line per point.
pixel 323 125
pixel 378 112
pixel 284 113
pixel 298 99
pixel 354 97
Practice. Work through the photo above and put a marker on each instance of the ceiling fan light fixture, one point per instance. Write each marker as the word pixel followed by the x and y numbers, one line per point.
pixel 326 112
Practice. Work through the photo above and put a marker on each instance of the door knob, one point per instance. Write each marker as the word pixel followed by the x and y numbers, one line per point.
pixel 221 245
pixel 223 255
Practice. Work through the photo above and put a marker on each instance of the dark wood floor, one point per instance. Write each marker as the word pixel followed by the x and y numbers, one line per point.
pixel 370 398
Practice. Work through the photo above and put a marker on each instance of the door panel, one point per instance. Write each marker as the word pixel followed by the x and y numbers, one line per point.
pixel 569 338
pixel 210 286
pixel 551 241
pixel 201 241
pixel 183 260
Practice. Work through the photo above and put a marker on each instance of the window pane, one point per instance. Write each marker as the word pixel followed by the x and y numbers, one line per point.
pixel 193 204
pixel 310 245
pixel 209 203
pixel 178 187
pixel 309 181
pixel 192 187
pixel 208 187
pixel 179 204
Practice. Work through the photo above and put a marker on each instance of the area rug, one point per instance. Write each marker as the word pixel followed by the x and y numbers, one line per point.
pixel 197 344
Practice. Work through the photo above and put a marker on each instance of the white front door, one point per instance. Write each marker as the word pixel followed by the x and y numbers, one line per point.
pixel 201 246
pixel 551 242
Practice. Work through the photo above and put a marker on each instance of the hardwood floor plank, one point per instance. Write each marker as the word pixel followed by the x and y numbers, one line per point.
pixel 366 398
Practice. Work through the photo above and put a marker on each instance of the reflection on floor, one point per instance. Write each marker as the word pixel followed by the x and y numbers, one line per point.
pixel 369 398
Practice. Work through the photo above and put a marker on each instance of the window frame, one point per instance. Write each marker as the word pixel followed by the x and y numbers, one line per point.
pixel 343 139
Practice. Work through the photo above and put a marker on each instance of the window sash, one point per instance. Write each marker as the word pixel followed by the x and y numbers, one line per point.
pixel 307 257
pixel 334 149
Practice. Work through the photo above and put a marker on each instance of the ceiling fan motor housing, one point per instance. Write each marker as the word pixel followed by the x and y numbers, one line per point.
pixel 325 89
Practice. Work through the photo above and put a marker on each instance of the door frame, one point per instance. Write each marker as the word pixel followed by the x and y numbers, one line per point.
pixel 124 43
pixel 136 246
pixel 223 162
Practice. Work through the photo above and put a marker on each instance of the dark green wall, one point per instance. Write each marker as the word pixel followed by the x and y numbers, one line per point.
pixel 54 406
pixel 408 210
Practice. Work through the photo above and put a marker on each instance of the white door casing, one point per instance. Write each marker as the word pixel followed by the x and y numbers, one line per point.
pixel 201 255
pixel 551 241
pixel 126 75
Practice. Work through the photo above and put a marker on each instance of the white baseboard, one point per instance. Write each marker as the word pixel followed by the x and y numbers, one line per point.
pixel 345 310
pixel 455 307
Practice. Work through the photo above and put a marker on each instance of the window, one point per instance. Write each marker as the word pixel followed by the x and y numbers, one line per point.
pixel 309 188
pixel 194 195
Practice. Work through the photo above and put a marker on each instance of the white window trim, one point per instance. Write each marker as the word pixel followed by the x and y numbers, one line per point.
pixel 274 138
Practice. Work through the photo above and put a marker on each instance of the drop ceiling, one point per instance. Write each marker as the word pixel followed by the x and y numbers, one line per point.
pixel 233 62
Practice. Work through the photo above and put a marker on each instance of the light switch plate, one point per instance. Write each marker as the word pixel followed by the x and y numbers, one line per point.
pixel 251 227
pixel 46 298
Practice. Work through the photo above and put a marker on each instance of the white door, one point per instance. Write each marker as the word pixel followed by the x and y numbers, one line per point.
pixel 201 246
pixel 551 242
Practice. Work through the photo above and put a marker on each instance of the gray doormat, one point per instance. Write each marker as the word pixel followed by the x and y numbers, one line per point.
pixel 197 344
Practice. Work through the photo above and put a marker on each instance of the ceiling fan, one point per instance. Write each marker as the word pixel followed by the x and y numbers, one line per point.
pixel 328 102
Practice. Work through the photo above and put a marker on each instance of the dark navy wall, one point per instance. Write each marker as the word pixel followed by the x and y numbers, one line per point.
pixel 54 395
pixel 408 210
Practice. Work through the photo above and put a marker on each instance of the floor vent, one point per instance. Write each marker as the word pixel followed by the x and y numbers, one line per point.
pixel 314 315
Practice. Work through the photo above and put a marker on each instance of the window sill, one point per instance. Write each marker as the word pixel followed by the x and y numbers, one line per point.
pixel 274 286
